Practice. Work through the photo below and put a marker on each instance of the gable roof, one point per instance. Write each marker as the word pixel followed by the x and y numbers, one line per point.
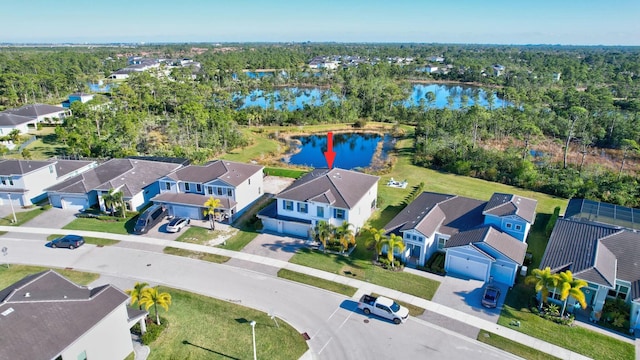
pixel 338 187
pixel 494 238
pixel 9 167
pixel 64 167
pixel 509 204
pixel 36 110
pixel 128 175
pixel 8 119
pixel 233 173
pixel 53 310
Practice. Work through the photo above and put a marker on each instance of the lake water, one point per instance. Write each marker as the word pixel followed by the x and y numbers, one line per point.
pixel 313 97
pixel 353 150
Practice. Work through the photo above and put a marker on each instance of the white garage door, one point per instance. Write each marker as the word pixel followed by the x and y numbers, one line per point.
pixel 185 211
pixel 296 229
pixel 73 203
pixel 467 268
pixel 503 274
pixel 269 224
pixel 15 199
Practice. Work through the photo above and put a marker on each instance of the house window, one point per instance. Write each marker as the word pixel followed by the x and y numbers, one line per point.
pixel 303 208
pixel 373 204
pixel 199 187
pixel 441 243
pixel 11 181
pixel 219 191
pixel 518 227
pixel 508 225
pixel 287 205
pixel 186 186
pixel 50 169
pixel 249 181
pixel 338 213
pixel 230 192
pixel 167 186
pixel 320 212
pixel 420 239
pixel 4 180
pixel 209 190
pixel 82 355
pixel 620 292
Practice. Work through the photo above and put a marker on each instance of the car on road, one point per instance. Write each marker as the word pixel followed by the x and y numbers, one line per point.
pixel 177 223
pixel 383 307
pixel 67 241
pixel 490 296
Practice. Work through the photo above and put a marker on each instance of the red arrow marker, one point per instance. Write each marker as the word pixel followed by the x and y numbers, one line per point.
pixel 330 155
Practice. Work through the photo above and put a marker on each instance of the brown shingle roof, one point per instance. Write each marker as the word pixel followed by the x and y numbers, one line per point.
pixel 509 204
pixel 192 199
pixel 496 239
pixel 10 167
pixel 338 187
pixel 35 110
pixel 233 173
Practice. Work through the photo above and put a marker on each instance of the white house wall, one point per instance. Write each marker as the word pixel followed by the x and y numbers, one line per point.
pixel 361 212
pixel 35 181
pixel 109 339
pixel 249 191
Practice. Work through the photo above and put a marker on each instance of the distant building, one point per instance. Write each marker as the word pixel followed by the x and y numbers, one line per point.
pixel 27 117
pixel 498 69
pixel 556 76
pixel 82 97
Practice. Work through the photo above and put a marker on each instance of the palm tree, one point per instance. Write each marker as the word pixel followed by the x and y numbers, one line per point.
pixel 210 209
pixel 136 293
pixel 324 231
pixel 152 297
pixel 543 280
pixel 112 200
pixel 570 287
pixel 376 239
pixel 345 235
pixel 394 242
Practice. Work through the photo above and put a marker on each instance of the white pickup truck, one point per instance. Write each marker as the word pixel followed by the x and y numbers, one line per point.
pixel 383 307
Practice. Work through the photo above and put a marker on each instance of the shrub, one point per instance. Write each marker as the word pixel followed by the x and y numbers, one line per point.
pixel 153 330
pixel 552 221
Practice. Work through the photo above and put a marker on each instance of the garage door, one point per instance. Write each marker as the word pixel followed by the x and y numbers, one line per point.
pixel 502 273
pixel 15 199
pixel 468 268
pixel 269 224
pixel 190 212
pixel 55 201
pixel 296 229
pixel 74 203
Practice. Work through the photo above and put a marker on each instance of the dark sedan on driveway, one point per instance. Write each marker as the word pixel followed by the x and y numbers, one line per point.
pixel 490 297
pixel 68 241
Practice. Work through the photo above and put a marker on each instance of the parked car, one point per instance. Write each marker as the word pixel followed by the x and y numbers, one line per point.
pixel 490 296
pixel 149 218
pixel 68 241
pixel 383 307
pixel 177 223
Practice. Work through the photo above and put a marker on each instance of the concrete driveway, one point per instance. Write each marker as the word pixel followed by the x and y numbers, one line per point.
pixel 272 246
pixel 52 218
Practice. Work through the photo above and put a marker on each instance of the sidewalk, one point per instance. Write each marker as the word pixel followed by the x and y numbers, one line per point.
pixel 363 287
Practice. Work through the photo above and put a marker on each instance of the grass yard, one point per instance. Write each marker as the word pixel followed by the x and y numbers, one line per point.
pixel 122 226
pixel 513 347
pixel 202 236
pixel 14 273
pixel 574 338
pixel 89 240
pixel 23 216
pixel 317 282
pixel 214 258
pixel 284 172
pixel 204 328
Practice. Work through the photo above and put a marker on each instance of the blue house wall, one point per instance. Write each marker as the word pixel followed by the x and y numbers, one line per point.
pixel 512 225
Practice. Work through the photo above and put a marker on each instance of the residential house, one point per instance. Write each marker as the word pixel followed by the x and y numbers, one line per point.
pixel 482 239
pixel 437 59
pixel 237 185
pixel 600 244
pixel 136 178
pixel 46 316
pixel 82 97
pixel 27 117
pixel 431 69
pixel 23 182
pixel 498 69
pixel 334 196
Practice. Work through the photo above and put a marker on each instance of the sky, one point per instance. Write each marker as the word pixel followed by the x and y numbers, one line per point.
pixel 566 22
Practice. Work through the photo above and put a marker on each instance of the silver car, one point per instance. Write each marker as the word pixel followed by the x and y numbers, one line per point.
pixel 177 223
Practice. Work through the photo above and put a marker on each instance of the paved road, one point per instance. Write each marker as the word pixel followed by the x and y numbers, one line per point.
pixel 337 331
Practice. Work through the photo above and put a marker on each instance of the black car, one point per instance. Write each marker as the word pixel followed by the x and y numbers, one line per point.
pixel 68 241
pixel 490 296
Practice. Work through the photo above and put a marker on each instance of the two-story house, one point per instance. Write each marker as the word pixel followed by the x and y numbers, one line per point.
pixel 235 185
pixel 334 196
pixel 23 182
pixel 482 239
pixel 600 244
pixel 46 316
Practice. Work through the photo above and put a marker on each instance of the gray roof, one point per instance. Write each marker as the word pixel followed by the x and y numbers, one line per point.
pixel 336 187
pixel 509 204
pixel 232 173
pixel 36 110
pixel 191 199
pixel 449 214
pixel 595 211
pixel 64 167
pixel 9 167
pixel 8 119
pixel 128 175
pixel 53 310
pixel 494 238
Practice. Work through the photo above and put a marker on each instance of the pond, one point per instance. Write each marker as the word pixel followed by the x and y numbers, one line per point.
pixel 353 150
pixel 99 87
pixel 446 96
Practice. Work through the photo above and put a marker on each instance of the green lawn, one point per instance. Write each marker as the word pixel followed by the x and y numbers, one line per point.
pixel 575 338
pixel 214 258
pixel 284 172
pixel 121 226
pixel 262 147
pixel 513 347
pixel 89 240
pixel 13 273
pixel 317 282
pixel 201 236
pixel 206 328
pixel 23 216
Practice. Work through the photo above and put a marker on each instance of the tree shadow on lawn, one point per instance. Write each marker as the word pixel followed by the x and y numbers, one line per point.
pixel 186 342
